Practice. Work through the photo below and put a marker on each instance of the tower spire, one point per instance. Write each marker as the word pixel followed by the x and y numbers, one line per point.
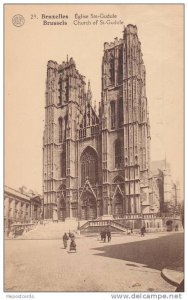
pixel 95 106
pixel 89 93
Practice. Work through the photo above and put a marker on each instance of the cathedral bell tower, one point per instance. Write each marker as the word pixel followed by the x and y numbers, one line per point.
pixel 97 165
pixel 65 94
pixel 125 127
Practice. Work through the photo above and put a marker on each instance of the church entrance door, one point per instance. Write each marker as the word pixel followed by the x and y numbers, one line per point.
pixel 118 208
pixel 62 210
pixel 89 207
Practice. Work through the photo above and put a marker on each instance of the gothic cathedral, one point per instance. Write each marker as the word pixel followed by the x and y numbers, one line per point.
pixel 96 161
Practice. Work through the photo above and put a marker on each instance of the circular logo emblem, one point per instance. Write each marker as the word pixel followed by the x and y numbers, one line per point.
pixel 18 20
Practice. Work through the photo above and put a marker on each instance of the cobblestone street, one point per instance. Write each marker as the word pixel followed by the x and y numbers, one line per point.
pixel 127 263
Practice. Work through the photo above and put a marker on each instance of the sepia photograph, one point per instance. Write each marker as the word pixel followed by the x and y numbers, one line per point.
pixel 93 148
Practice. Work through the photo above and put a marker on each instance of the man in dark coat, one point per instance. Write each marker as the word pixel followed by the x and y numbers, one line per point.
pixel 65 239
pixel 105 234
pixel 143 230
pixel 109 235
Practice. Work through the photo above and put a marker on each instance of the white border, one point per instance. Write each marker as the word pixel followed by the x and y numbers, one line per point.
pixel 85 295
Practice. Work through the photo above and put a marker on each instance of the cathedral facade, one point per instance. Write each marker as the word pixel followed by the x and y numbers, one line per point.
pixel 96 162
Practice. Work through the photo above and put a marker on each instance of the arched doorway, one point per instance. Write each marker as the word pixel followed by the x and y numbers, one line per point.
pixel 61 202
pixel 62 210
pixel 118 205
pixel 89 207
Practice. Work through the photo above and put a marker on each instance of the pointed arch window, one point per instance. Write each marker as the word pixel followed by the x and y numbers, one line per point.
pixel 111 70
pixel 89 166
pixel 120 181
pixel 67 89
pixel 63 164
pixel 60 92
pixel 120 112
pixel 120 65
pixel 60 130
pixel 65 126
pixel 118 154
pixel 113 116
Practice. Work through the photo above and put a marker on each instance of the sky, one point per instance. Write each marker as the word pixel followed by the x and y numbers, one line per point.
pixel 29 47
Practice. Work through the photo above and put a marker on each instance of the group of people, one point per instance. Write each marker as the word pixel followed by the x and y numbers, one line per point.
pixel 70 236
pixel 105 234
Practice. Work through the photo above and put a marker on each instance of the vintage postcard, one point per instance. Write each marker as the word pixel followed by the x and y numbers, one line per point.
pixel 94 148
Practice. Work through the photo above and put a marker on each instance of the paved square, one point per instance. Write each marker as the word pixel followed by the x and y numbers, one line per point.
pixel 127 263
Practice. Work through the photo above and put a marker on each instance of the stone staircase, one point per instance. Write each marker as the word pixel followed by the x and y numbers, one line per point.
pixel 56 230
pixel 98 225
pixel 50 230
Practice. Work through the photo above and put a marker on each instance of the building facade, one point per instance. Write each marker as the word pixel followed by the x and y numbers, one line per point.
pixel 96 162
pixel 168 189
pixel 20 207
pixel 36 210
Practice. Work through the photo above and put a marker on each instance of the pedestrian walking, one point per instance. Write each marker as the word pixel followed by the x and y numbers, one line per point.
pixel 143 230
pixel 101 235
pixel 71 235
pixel 109 235
pixel 73 244
pixel 104 236
pixel 65 239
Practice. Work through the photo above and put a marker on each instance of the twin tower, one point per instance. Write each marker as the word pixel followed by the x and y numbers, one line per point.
pixel 96 161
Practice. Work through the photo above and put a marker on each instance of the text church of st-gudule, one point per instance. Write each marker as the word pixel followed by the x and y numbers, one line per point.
pixel 96 162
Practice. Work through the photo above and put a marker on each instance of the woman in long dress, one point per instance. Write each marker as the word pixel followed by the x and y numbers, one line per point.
pixel 73 244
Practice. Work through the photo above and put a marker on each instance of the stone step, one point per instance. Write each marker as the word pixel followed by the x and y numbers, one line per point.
pixel 50 230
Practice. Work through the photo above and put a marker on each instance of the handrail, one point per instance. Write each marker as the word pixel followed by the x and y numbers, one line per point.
pixel 119 225
pixel 96 223
pixel 85 225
